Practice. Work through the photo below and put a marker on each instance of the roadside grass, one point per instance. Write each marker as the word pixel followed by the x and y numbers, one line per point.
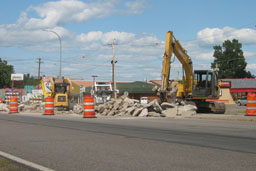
pixel 8 165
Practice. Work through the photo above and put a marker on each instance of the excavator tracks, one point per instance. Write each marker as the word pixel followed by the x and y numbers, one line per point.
pixel 211 107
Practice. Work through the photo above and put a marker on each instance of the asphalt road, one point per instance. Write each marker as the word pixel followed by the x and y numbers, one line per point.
pixel 74 143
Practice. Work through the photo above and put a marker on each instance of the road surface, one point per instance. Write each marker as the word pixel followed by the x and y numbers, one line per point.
pixel 69 143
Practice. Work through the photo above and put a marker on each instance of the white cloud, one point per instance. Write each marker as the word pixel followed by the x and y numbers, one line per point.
pixel 27 32
pixel 91 36
pixel 107 37
pixel 11 35
pixel 202 47
pixel 251 67
pixel 121 37
pixel 155 75
pixel 197 52
pixel 57 13
pixel 215 36
pixel 136 7
pixel 200 55
pixel 202 66
pixel 129 46
pixel 69 69
pixel 248 54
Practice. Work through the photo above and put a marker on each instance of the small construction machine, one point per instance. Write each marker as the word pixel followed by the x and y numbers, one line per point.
pixel 198 86
pixel 61 90
pixel 102 92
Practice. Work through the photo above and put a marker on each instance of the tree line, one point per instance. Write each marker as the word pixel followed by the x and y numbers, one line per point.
pixel 5 76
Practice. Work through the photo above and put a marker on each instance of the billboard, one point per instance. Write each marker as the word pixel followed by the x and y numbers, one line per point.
pixel 17 77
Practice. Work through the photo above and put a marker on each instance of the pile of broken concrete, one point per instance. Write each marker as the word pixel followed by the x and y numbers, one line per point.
pixel 127 107
pixel 34 108
pixel 3 107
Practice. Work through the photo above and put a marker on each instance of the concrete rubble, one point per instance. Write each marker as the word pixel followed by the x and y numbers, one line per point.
pixel 36 107
pixel 123 106
pixel 78 109
pixel 3 107
pixel 130 107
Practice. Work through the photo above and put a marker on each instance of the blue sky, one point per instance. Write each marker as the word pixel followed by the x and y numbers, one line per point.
pixel 87 27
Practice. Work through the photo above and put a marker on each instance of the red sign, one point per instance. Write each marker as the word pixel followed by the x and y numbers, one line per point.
pixel 225 84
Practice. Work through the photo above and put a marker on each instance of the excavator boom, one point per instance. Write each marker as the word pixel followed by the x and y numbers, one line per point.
pixel 172 45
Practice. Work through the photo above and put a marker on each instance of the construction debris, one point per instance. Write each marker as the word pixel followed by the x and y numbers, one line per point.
pixel 37 107
pixel 3 107
pixel 78 109
pixel 122 107
pixel 130 107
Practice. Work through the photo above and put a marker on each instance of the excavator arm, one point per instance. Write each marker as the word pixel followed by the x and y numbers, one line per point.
pixel 172 45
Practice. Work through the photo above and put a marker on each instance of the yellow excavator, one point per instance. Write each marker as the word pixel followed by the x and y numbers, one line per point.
pixel 199 87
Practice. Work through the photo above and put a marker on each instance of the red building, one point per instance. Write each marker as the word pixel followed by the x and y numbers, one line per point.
pixel 239 87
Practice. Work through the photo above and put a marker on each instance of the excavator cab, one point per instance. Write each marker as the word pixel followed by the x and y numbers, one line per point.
pixel 205 84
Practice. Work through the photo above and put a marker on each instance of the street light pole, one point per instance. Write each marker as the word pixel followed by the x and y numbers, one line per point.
pixel 60 75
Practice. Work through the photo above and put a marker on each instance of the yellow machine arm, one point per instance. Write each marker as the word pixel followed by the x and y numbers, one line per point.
pixel 173 46
pixel 67 80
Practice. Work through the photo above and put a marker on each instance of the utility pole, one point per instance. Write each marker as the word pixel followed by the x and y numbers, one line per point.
pixel 113 62
pixel 39 64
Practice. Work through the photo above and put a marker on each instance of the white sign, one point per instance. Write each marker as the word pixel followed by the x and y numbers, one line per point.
pixel 37 92
pixel 47 84
pixel 17 77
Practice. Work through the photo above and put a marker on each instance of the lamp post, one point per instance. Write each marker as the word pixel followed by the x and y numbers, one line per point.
pixel 60 75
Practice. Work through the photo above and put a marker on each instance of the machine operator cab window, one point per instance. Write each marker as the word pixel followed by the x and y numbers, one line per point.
pixel 202 84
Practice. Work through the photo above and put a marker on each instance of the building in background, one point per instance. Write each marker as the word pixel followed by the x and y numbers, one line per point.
pixel 237 88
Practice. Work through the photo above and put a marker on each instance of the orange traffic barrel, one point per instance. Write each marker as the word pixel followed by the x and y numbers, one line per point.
pixel 13 104
pixel 251 104
pixel 0 100
pixel 49 106
pixel 89 111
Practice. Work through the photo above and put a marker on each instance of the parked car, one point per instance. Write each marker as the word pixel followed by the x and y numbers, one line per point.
pixel 242 101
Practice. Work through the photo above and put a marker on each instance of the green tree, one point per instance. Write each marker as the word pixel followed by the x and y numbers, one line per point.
pixel 5 74
pixel 30 80
pixel 230 60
